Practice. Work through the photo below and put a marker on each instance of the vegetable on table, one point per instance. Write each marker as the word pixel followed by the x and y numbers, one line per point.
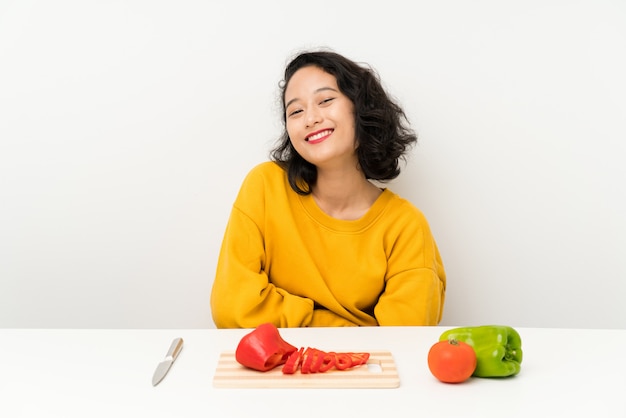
pixel 264 349
pixel 498 348
pixel 313 360
pixel 451 361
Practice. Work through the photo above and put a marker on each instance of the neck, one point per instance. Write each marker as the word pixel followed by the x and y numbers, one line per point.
pixel 344 194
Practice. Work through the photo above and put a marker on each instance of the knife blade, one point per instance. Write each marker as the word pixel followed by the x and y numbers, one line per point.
pixel 164 366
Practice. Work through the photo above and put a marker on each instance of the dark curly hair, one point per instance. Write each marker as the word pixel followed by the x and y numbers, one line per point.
pixel 382 130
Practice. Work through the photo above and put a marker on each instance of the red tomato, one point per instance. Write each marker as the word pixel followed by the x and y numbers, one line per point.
pixel 452 361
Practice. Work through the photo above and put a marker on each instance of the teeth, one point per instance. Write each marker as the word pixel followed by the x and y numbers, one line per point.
pixel 319 135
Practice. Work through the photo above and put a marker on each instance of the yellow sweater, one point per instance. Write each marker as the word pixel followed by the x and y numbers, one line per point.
pixel 283 260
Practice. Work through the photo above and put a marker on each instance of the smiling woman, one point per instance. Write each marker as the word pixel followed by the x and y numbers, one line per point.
pixel 320 124
pixel 311 241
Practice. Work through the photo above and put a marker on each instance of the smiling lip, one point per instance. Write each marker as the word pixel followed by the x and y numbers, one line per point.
pixel 319 136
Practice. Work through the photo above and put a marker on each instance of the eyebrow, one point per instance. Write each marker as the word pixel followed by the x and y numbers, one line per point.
pixel 315 92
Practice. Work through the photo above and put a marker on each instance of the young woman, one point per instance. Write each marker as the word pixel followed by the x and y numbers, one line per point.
pixel 311 241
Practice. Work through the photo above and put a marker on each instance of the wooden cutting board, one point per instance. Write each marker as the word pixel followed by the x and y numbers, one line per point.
pixel 379 372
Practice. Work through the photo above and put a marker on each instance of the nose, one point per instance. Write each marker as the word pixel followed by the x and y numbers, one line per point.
pixel 313 117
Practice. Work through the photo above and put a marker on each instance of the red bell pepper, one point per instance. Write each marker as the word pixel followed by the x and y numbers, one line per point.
pixel 359 358
pixel 308 359
pixel 263 348
pixel 312 360
pixel 293 362
pixel 328 362
pixel 317 361
pixel 342 361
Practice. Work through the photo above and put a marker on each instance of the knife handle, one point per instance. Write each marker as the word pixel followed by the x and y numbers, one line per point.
pixel 175 348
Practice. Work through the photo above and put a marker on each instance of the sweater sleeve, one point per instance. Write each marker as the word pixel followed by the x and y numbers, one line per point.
pixel 416 281
pixel 243 296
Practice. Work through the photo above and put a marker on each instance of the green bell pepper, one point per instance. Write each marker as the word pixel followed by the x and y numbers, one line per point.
pixel 498 348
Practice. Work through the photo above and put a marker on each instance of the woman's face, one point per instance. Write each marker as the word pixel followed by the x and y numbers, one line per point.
pixel 320 119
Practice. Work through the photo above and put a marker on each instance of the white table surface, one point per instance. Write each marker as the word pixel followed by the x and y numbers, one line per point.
pixel 93 373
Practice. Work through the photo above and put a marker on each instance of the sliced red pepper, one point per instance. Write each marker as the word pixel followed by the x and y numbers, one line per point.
pixel 310 355
pixel 313 360
pixel 293 362
pixel 263 348
pixel 328 362
pixel 318 360
pixel 343 361
pixel 359 358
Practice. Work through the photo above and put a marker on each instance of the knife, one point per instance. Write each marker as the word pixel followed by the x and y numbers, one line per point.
pixel 170 357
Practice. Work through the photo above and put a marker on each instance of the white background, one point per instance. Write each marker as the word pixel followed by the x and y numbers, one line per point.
pixel 126 128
